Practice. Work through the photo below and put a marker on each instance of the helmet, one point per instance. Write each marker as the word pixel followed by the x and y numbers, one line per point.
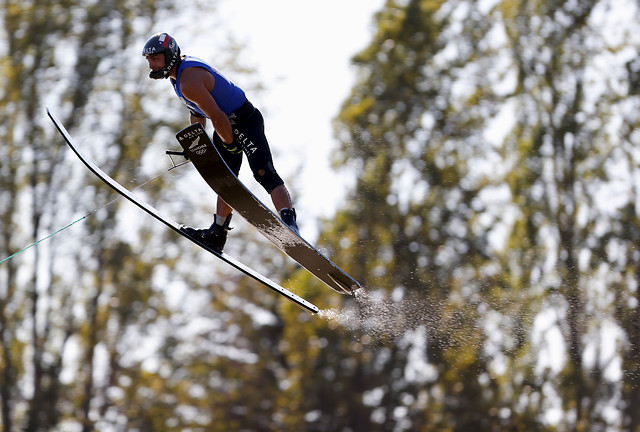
pixel 163 43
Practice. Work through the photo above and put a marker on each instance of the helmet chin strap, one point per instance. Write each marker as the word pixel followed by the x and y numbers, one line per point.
pixel 159 74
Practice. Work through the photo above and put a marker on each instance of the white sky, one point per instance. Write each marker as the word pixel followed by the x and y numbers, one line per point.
pixel 301 52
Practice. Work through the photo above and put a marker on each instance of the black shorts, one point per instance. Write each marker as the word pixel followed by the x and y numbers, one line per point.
pixel 247 124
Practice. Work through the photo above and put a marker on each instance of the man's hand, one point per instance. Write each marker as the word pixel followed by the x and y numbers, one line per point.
pixel 233 147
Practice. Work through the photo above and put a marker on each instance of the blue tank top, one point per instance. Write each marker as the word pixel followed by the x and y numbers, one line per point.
pixel 227 95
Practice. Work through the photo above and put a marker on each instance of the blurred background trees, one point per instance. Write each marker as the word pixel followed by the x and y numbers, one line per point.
pixel 493 219
pixel 493 143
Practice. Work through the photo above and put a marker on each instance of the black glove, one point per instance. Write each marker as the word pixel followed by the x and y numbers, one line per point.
pixel 233 147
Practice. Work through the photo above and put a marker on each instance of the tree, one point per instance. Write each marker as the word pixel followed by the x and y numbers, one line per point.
pixel 476 136
pixel 46 61
pixel 109 336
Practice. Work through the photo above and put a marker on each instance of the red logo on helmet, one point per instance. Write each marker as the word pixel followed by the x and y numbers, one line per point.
pixel 164 40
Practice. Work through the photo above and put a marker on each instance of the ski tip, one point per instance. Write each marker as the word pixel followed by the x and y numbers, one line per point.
pixel 346 288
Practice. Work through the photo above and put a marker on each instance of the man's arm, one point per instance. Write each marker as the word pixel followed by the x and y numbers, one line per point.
pixel 196 84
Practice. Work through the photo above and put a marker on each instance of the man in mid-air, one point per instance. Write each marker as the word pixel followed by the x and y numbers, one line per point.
pixel 239 127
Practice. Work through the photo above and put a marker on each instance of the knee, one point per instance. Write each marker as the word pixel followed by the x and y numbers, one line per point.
pixel 268 178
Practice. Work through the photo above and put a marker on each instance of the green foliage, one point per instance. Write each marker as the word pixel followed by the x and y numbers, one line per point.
pixel 493 221
pixel 55 299
pixel 493 234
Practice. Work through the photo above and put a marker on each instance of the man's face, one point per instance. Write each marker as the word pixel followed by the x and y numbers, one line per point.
pixel 156 61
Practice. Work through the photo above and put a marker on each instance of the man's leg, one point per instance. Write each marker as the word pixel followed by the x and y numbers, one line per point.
pixel 281 198
pixel 261 163
pixel 222 209
pixel 282 202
